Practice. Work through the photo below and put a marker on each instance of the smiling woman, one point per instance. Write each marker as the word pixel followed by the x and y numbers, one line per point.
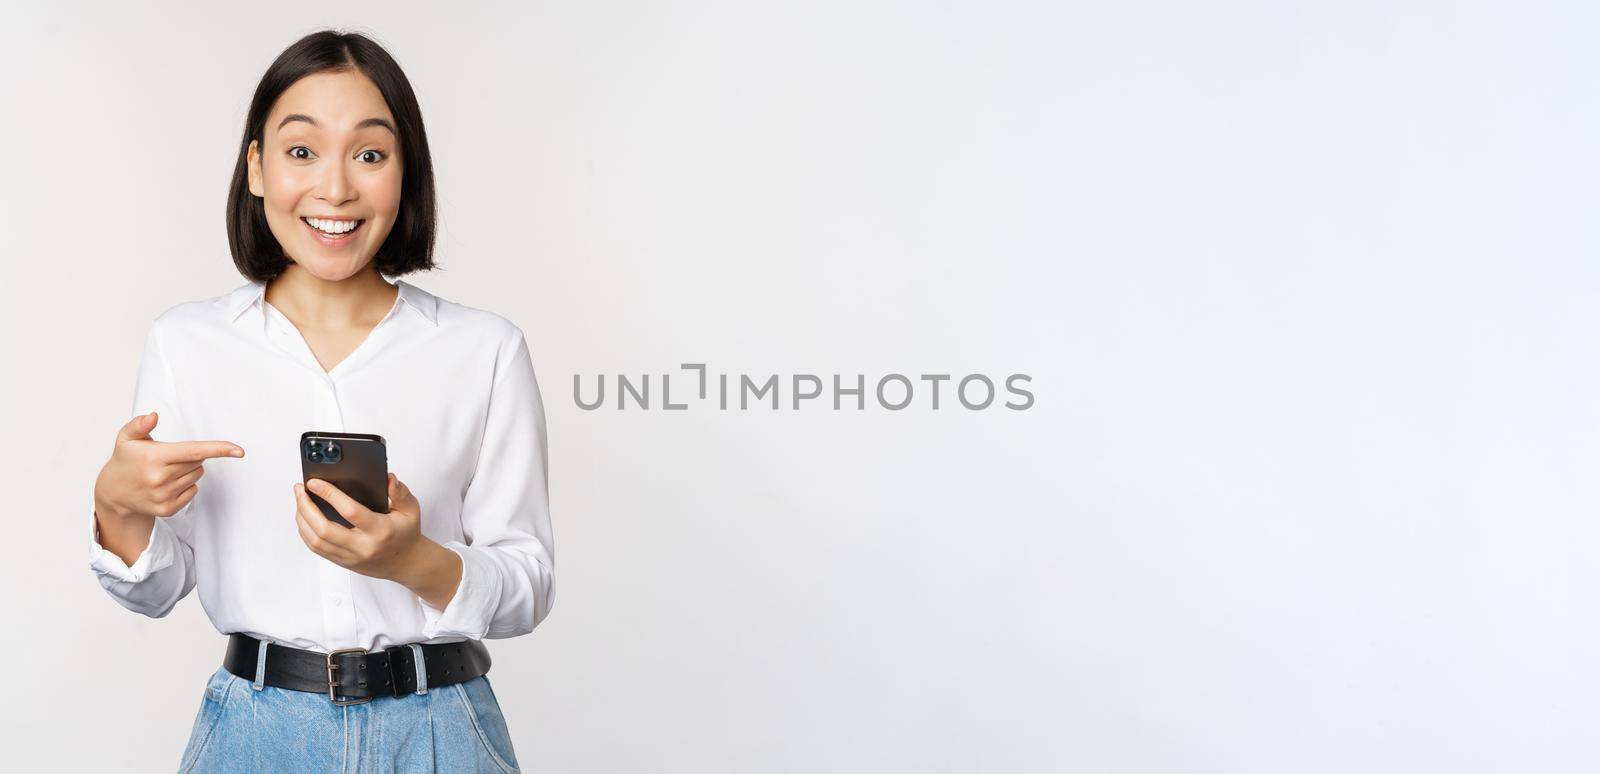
pixel 334 155
pixel 351 645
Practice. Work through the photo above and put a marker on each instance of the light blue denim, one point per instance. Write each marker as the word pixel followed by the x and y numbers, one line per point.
pixel 454 728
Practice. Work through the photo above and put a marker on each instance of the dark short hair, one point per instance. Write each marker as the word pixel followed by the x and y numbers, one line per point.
pixel 409 246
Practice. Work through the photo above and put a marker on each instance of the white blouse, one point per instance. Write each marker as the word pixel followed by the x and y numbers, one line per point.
pixel 452 391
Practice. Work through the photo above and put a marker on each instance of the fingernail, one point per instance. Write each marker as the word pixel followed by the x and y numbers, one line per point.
pixel 237 452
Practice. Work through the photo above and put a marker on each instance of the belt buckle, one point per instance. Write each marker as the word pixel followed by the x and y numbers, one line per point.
pixel 333 684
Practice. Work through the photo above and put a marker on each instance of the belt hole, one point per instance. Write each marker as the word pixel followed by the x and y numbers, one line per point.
pixel 386 682
pixel 363 665
pixel 363 683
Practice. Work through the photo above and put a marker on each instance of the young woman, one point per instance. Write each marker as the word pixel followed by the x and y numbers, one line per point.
pixel 350 648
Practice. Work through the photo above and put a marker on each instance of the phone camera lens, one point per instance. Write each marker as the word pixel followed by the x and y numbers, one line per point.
pixel 315 456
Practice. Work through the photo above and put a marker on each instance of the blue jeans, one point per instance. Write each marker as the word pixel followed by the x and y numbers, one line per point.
pixel 455 728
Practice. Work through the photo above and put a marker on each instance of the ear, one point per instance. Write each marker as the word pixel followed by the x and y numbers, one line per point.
pixel 253 163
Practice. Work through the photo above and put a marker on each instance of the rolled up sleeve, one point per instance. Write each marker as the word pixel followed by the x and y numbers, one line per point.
pixel 161 576
pixel 508 557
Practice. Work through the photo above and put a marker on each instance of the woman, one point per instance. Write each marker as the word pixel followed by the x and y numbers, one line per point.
pixel 350 648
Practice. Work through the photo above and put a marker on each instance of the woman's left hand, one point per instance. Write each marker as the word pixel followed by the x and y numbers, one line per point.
pixel 389 545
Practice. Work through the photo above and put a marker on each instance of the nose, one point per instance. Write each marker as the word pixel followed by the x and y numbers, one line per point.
pixel 334 187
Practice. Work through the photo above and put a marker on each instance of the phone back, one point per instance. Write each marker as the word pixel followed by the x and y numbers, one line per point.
pixel 356 463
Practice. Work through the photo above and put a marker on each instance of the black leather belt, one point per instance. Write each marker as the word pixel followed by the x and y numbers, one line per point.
pixel 354 675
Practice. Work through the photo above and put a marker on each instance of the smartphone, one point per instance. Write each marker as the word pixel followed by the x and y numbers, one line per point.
pixel 356 463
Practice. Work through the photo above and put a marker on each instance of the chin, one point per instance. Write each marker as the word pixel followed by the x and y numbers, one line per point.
pixel 330 269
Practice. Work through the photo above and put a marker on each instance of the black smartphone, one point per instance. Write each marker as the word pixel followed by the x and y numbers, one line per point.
pixel 356 463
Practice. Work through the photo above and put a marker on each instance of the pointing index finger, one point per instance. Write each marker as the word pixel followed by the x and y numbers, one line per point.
pixel 196 451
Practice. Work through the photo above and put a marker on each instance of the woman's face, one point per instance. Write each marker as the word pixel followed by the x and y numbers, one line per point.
pixel 328 172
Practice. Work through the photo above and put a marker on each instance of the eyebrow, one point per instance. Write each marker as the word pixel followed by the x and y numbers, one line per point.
pixel 364 124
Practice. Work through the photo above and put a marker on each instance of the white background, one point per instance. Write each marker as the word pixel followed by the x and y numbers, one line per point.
pixel 1308 293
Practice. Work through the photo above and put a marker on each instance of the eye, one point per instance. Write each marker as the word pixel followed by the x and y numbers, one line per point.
pixel 308 155
pixel 380 156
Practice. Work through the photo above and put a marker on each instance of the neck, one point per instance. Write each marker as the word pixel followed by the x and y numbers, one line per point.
pixel 362 299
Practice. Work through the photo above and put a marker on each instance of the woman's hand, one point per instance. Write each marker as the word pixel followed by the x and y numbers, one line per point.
pixel 389 545
pixel 146 479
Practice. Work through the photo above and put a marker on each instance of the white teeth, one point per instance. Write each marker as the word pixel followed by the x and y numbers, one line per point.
pixel 332 227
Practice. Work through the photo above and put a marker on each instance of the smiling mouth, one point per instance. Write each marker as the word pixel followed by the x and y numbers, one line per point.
pixel 333 232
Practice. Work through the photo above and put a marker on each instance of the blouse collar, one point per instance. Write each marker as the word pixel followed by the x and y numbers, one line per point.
pixel 252 295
